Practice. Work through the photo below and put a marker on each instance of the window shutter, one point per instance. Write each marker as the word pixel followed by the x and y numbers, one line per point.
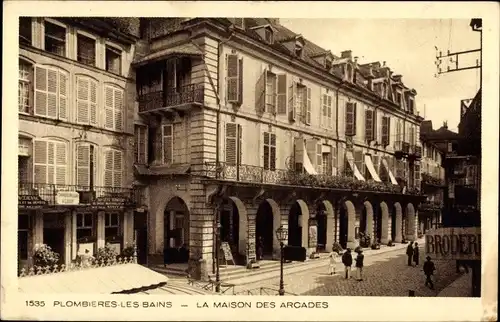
pixel 266 150
pixel 374 135
pixel 83 85
pixel 319 158
pixel 51 160
pixel 232 78
pixel 142 144
pixel 368 125
pixel 83 165
pixel 61 163
pixel 231 143
pixel 384 131
pixel 93 102
pixel 240 81
pixel 334 160
pixel 52 76
pixel 40 162
pixel 118 109
pixel 40 91
pixel 308 106
pixel 329 112
pixel 108 168
pixel 240 136
pixel 416 172
pixel 260 92
pixel 281 94
pixel 137 134
pixel 63 96
pixel 349 119
pixel 292 98
pixel 272 152
pixel 108 106
pixel 303 104
pixel 117 168
pixel 168 144
pixel 324 112
pixel 355 107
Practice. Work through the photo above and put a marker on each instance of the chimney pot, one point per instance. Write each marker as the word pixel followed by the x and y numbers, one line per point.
pixel 346 54
pixel 383 63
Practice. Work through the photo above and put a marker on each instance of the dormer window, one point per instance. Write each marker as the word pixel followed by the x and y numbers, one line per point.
pixel 269 36
pixel 399 100
pixel 239 22
pixel 328 64
pixel 349 73
pixel 384 90
pixel 298 49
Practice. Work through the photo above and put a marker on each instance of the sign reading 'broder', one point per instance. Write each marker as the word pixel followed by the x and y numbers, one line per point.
pixel 454 243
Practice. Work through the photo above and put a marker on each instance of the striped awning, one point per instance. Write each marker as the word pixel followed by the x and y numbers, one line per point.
pixel 371 168
pixel 179 51
pixel 354 168
pixel 121 278
pixel 388 169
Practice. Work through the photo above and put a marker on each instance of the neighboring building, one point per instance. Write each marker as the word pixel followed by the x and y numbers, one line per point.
pixel 247 120
pixel 76 120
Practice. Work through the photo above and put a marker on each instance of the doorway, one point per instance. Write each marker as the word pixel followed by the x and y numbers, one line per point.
pixel 54 238
pixel 321 222
pixel 264 230
pixel 343 227
pixel 294 229
pixel 141 236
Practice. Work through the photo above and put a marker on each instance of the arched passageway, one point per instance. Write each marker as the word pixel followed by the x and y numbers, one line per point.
pixel 294 226
pixel 396 223
pixel 176 230
pixel 321 219
pixel 411 233
pixel 384 223
pixel 347 218
pixel 366 220
pixel 267 221
pixel 234 227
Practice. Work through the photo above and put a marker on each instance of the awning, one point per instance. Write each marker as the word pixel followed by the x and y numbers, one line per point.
pixel 161 170
pixel 350 160
pixel 178 288
pixel 179 51
pixel 371 168
pixel 101 280
pixel 308 166
pixel 391 176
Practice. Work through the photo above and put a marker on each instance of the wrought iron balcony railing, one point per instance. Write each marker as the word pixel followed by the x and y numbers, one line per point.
pixel 259 175
pixel 172 97
pixel 402 146
pixel 39 194
pixel 429 179
pixel 416 151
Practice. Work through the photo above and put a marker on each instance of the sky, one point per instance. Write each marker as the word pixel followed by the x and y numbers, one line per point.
pixel 408 48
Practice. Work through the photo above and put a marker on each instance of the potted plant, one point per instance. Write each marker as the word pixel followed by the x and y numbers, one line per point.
pixel 364 240
pixel 375 245
pixel 44 256
pixel 106 254
pixel 390 243
pixel 404 241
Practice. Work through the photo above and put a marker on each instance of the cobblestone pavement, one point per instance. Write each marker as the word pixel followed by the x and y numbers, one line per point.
pixel 384 275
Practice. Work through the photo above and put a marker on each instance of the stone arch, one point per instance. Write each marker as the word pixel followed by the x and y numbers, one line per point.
pixel 276 222
pixel 329 224
pixel 398 236
pixel 368 212
pixel 243 224
pixel 347 222
pixel 411 232
pixel 176 223
pixel 384 209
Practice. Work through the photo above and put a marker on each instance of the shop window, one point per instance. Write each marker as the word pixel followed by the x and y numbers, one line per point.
pixel 113 60
pixel 84 226
pixel 85 50
pixel 112 225
pixel 55 39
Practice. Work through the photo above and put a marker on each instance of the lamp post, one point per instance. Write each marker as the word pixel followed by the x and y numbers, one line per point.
pixel 281 234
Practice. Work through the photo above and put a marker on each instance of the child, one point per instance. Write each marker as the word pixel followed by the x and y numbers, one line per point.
pixel 333 262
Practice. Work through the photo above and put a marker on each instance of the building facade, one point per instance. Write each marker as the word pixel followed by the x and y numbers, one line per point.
pixel 76 122
pixel 245 126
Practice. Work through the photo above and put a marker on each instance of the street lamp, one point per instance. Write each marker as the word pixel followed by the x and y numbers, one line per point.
pixel 282 235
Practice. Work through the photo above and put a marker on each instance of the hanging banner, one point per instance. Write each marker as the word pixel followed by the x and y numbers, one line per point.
pixel 453 243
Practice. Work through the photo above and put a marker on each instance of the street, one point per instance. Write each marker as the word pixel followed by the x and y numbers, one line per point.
pixel 385 274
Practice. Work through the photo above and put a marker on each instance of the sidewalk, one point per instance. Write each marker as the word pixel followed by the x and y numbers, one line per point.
pixel 461 287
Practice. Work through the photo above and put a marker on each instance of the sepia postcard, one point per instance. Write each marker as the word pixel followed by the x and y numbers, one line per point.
pixel 249 161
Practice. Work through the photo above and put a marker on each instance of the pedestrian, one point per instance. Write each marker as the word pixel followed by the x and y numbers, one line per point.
pixel 416 255
pixel 333 262
pixel 347 261
pixel 409 253
pixel 429 269
pixel 86 259
pixel 359 264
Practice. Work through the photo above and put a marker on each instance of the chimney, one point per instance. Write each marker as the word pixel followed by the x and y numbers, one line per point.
pixel 383 63
pixel 397 78
pixel 445 125
pixel 356 59
pixel 346 54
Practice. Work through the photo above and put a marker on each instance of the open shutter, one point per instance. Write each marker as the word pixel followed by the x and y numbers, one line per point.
pixel 52 89
pixel 240 136
pixel 108 107
pixel 40 91
pixel 374 135
pixel 260 92
pixel 117 168
pixel 384 131
pixel 51 162
pixel 142 144
pixel 323 101
pixel 108 168
pixel 308 105
pixel 63 96
pixel 266 150
pixel 240 81
pixel 61 163
pixel 355 107
pixel 272 152
pixel 349 119
pixel 368 125
pixel 232 78
pixel 329 112
pixel 312 151
pixel 231 143
pixel 292 98
pixel 83 85
pixel 334 161
pixel 319 158
pixel 40 162
pixel 416 173
pixel 83 165
pixel 388 130
pixel 168 144
pixel 93 102
pixel 118 109
pixel 281 94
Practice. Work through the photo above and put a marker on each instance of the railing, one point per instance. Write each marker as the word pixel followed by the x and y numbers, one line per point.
pixel 402 146
pixel 431 205
pixel 263 291
pixel 417 151
pixel 259 175
pixel 53 194
pixel 192 93
pixel 431 180
pixel 212 286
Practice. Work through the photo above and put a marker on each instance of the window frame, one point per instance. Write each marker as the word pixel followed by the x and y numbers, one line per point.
pixel 27 41
pixel 270 147
pixel 271 98
pixel 83 34
pixel 108 225
pixel 163 136
pixel 269 32
pixel 116 50
pixel 137 149
pixel 58 24
pixel 29 83
pixel 55 164
pixel 84 227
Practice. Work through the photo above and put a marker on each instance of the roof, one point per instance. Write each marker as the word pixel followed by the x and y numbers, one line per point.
pixel 161 170
pixel 188 49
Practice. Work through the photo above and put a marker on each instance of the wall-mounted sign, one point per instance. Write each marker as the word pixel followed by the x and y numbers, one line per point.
pixel 110 202
pixel 67 198
pixel 454 243
pixel 31 202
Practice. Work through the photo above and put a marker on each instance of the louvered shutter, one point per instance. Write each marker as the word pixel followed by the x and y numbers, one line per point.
pixel 260 92
pixel 51 162
pixel 83 165
pixel 40 91
pixel 308 105
pixel 416 172
pixel 40 162
pixel 108 168
pixel 368 125
pixel 240 136
pixel 142 144
pixel 83 85
pixel 118 109
pixel 240 81
pixel 266 150
pixel 292 98
pixel 319 158
pixel 329 112
pixel 231 143
pixel 63 96
pixel 117 168
pixel 334 160
pixel 52 76
pixel 109 107
pixel 232 78
pixel 388 130
pixel 61 163
pixel 168 144
pixel 93 102
pixel 281 94
pixel 355 107
pixel 384 131
pixel 349 119
pixel 272 152
pixel 374 135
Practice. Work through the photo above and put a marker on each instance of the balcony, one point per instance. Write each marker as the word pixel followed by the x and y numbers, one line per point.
pixel 248 174
pixel 401 149
pixel 430 180
pixel 429 205
pixel 39 195
pixel 180 99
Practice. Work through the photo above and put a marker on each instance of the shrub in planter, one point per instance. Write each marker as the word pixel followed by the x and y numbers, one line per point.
pixel 364 240
pixel 404 241
pixel 105 254
pixel 375 245
pixel 390 243
pixel 337 248
pixel 45 256
pixel 127 253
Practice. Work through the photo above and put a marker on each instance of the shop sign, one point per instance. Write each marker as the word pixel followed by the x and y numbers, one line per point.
pixel 31 202
pixel 67 198
pixel 110 202
pixel 453 243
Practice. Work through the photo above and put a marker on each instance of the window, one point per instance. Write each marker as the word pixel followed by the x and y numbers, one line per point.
pixel 411 135
pixel 50 162
pixel 239 22
pixel 399 98
pixel 398 133
pixel 86 164
pixel 55 39
pixel 349 73
pixel 113 60
pixel 334 160
pixel 269 35
pixel 113 108
pixel 51 89
pixel 25 31
pixel 304 101
pixel 84 225
pixel 23 169
pixel 328 64
pixel 269 151
pixel 234 79
pixel 298 49
pixel 326 111
pixel 25 83
pixel 350 119
pixel 417 178
pixel 111 225
pixel 359 161
pixel 85 50
pixel 281 94
pixel 271 93
pixel 86 100
pixel 411 105
pixel 140 144
pixel 369 125
pixel 327 163
pixel 429 152
pixel 233 144
pixel 386 130
pixel 23 234
pixel 113 168
pixel 168 143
